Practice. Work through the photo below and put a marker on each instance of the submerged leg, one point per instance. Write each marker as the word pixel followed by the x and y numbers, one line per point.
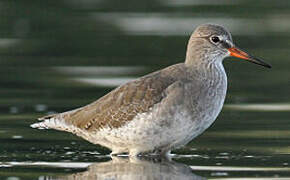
pixel 116 152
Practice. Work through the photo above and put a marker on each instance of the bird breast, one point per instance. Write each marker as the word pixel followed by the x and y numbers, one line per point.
pixel 207 101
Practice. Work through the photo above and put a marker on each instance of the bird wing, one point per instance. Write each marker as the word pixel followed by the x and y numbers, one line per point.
pixel 122 104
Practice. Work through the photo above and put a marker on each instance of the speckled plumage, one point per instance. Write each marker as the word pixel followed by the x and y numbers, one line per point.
pixel 160 111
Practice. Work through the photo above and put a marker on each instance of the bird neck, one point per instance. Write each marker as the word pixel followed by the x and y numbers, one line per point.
pixel 203 62
pixel 208 70
pixel 198 53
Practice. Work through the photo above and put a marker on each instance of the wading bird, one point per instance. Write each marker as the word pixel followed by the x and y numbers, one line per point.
pixel 162 110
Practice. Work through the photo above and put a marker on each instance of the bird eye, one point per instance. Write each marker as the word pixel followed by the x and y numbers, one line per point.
pixel 215 39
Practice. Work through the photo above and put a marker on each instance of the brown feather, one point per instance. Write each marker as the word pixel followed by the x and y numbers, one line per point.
pixel 123 103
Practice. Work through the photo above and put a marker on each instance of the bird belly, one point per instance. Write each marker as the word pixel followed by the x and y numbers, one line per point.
pixel 148 132
pixel 151 130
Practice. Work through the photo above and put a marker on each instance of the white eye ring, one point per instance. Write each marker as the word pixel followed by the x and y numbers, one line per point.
pixel 215 39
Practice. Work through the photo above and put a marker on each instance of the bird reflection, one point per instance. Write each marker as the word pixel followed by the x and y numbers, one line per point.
pixel 120 168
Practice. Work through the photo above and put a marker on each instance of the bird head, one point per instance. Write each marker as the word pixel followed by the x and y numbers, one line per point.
pixel 210 43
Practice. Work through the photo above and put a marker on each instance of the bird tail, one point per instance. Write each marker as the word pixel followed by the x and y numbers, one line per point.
pixel 49 122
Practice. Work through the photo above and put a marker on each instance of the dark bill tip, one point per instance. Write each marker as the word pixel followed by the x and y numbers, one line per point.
pixel 259 62
pixel 236 52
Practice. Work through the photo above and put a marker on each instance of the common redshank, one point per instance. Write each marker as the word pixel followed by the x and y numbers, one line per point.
pixel 162 110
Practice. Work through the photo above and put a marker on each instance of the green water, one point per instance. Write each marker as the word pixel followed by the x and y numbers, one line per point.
pixel 60 55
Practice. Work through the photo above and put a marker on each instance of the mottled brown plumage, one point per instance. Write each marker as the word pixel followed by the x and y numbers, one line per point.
pixel 123 103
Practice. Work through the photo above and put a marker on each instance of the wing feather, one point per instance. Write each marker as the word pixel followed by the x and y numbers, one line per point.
pixel 122 104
